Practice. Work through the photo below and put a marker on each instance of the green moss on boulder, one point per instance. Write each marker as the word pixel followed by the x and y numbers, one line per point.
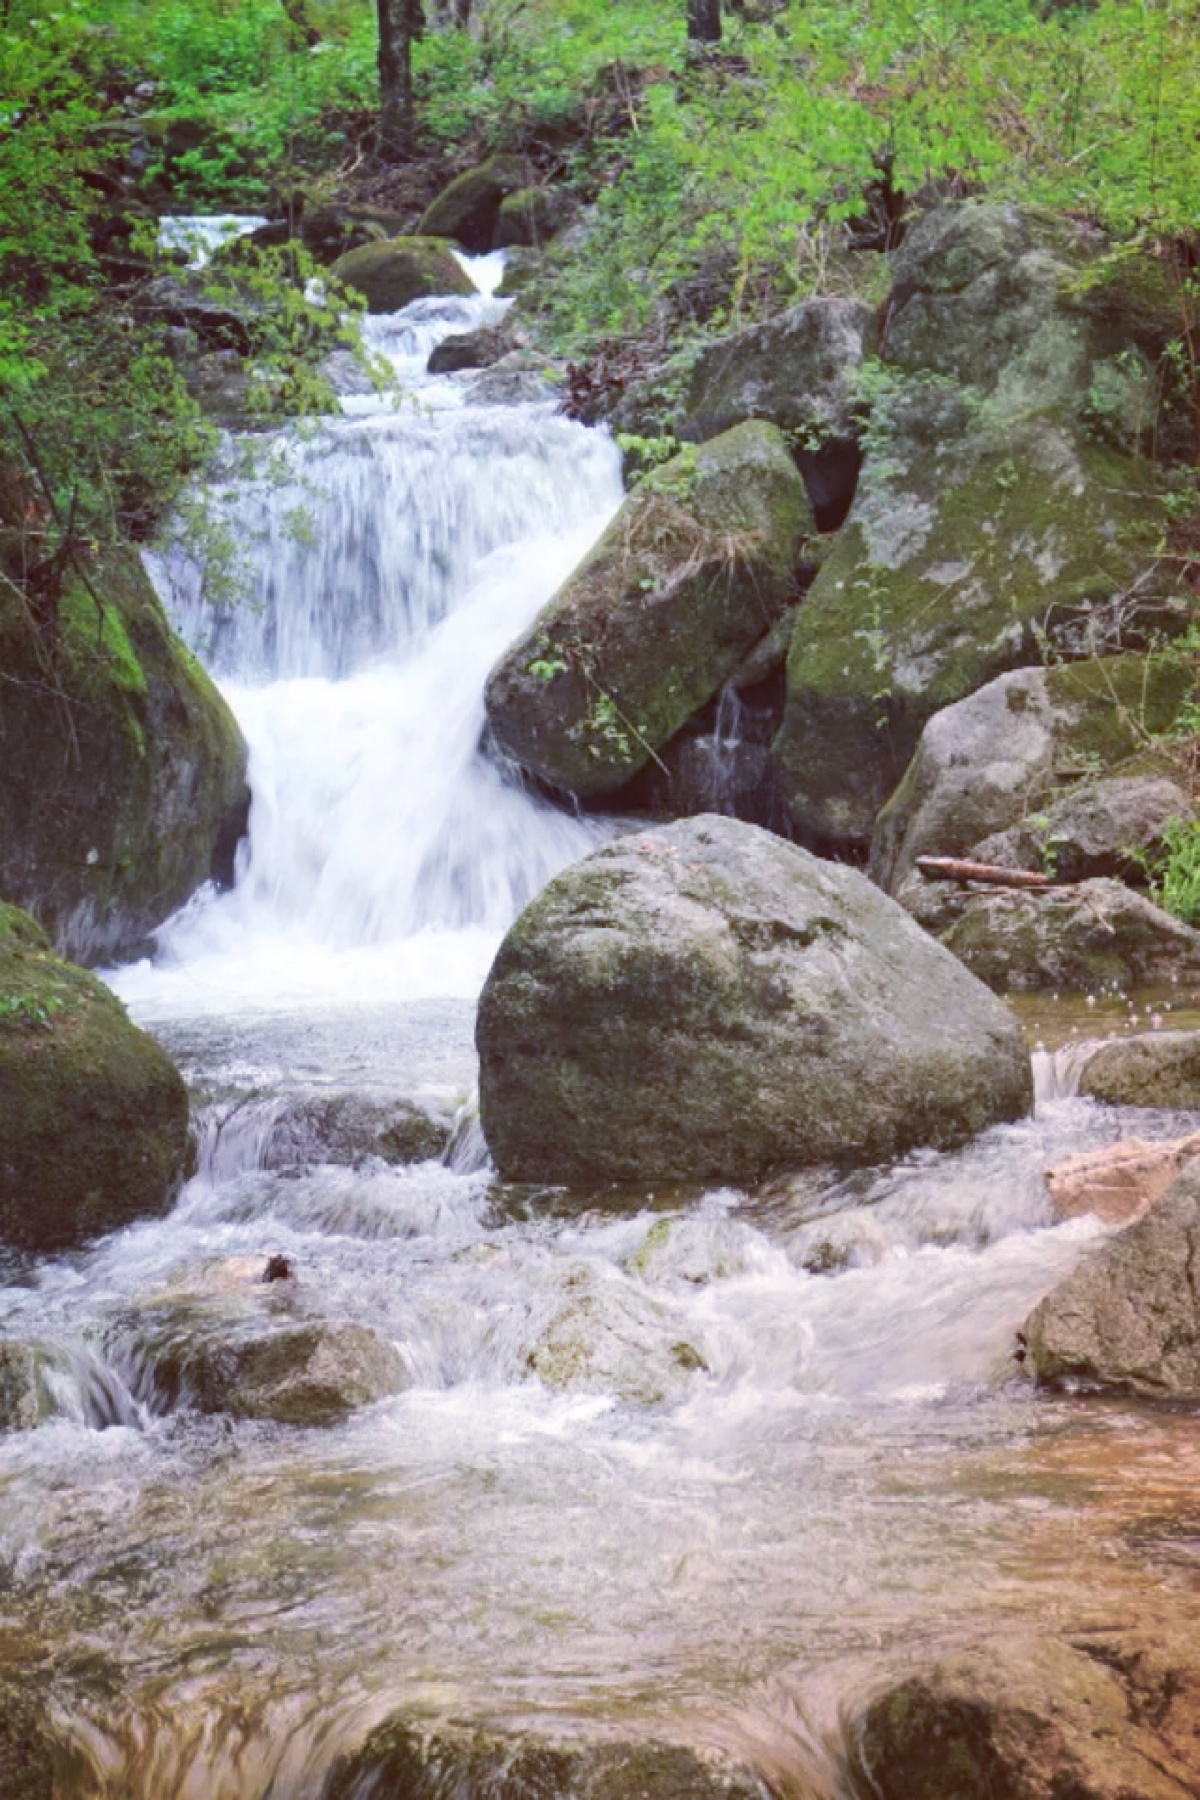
pixel 93 1113
pixel 695 567
pixel 124 770
pixel 394 273
pixel 469 209
pixel 531 217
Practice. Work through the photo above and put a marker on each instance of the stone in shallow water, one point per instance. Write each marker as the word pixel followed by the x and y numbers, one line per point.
pixel 401 1760
pixel 1161 1068
pixel 20 1389
pixel 1121 1183
pixel 706 1001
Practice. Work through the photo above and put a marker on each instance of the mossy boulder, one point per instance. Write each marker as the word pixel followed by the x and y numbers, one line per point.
pixel 469 209
pixel 124 770
pixel 705 1001
pixel 1028 755
pixel 531 217
pixel 694 568
pixel 403 1759
pixel 93 1113
pixel 1159 1069
pixel 524 271
pixel 993 517
pixel 392 274
pixel 1128 1319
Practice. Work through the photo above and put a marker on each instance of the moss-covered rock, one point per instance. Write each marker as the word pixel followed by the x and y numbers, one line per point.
pixel 1160 1069
pixel 524 270
pixel 93 1113
pixel 405 1760
pixel 695 567
pixel 392 274
pixel 993 516
pixel 1022 756
pixel 705 1001
pixel 469 209
pixel 531 217
pixel 124 770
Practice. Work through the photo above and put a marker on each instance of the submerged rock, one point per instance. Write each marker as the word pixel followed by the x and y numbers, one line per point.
pixel 93 1113
pixel 1041 765
pixel 1092 938
pixel 706 1001
pixel 1104 1717
pixel 1120 1183
pixel 1128 1319
pixel 990 519
pixel 469 209
pixel 695 567
pixel 405 1760
pixel 124 778
pixel 400 270
pixel 604 1335
pixel 1161 1068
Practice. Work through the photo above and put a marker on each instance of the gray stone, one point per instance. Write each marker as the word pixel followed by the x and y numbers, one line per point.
pixel 697 564
pixel 1128 1319
pixel 470 350
pixel 1021 749
pixel 1160 1069
pixel 1108 827
pixel 1094 937
pixel 21 1406
pixel 708 1002
pixel 522 378
pixel 351 1128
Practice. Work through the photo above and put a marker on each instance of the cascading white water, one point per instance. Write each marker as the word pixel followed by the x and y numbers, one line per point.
pixel 393 554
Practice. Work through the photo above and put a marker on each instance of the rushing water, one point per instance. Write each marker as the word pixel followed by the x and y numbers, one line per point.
pixel 683 1462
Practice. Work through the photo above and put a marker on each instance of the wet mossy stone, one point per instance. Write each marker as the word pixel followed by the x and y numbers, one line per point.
pixel 1160 1069
pixel 392 274
pixel 531 217
pixel 1028 743
pixel 124 770
pixel 93 1113
pixel 697 564
pixel 523 270
pixel 468 210
pixel 404 1760
pixel 705 1001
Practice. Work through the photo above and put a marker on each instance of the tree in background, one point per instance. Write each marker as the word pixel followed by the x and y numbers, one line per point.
pixel 401 23
pixel 704 21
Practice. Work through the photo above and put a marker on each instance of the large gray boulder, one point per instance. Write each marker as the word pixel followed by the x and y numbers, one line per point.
pixel 695 567
pixel 802 372
pixel 1053 758
pixel 1128 1319
pixel 1160 1068
pixel 991 518
pixel 1092 937
pixel 708 1002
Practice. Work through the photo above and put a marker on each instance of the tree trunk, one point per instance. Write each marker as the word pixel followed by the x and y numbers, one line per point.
pixel 400 23
pixel 704 21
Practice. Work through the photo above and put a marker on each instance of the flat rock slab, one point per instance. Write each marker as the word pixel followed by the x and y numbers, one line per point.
pixel 1160 1068
pixel 706 1001
pixel 1121 1183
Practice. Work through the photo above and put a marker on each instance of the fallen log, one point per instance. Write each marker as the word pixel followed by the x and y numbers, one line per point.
pixel 954 868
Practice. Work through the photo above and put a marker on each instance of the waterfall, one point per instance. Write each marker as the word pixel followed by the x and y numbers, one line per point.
pixel 392 554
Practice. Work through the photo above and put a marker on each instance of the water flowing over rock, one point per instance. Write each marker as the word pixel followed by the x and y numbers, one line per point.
pixel 21 1403
pixel 1128 1319
pixel 1161 1068
pixel 990 517
pixel 27 1743
pixel 1041 766
pixel 1107 1716
pixel 124 772
pixel 1094 937
pixel 695 567
pixel 707 1001
pixel 93 1114
pixel 394 273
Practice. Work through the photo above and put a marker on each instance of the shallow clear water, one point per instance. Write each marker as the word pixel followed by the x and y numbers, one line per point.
pixel 698 1463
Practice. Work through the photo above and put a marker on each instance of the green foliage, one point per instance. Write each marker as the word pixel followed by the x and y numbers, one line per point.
pixel 28 1009
pixel 1177 884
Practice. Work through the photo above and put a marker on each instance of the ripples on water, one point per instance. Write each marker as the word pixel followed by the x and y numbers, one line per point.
pixel 678 1461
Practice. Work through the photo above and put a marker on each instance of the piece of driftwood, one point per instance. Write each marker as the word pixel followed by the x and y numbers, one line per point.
pixel 953 868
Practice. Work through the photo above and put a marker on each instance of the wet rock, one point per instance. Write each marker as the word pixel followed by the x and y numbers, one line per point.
pixel 226 1340
pixel 328 232
pixel 185 302
pixel 705 1001
pixel 606 1336
pixel 469 209
pixel 346 375
pixel 392 274
pixel 1160 1069
pixel 523 270
pixel 220 384
pixel 1128 1319
pixel 1104 1717
pixel 93 1113
pixel 21 1406
pixel 1094 937
pixel 697 564
pixel 989 517
pixel 1120 1183
pixel 1041 763
pixel 522 378
pixel 124 783
pixel 719 763
pixel 801 372
pixel 351 1128
pixel 531 217
pixel 470 350
pixel 405 1760
pixel 27 1743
